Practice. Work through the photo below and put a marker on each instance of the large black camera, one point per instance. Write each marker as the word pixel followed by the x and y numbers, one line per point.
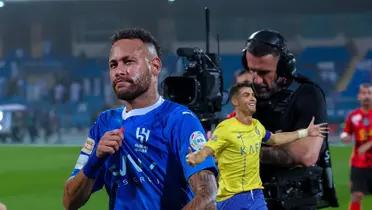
pixel 293 188
pixel 200 87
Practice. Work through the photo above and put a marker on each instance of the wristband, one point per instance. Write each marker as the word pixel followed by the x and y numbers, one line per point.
pixel 93 166
pixel 344 135
pixel 302 133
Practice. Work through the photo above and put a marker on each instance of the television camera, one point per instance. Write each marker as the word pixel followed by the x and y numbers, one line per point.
pixel 201 85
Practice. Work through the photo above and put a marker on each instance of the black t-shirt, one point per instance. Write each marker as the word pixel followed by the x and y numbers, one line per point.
pixel 291 109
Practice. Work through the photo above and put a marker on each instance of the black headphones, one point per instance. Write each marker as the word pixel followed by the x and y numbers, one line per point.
pixel 287 63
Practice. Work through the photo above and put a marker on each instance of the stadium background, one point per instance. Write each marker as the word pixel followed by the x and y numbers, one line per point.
pixel 53 57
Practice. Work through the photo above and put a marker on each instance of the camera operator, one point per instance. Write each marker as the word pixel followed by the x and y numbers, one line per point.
pixel 286 102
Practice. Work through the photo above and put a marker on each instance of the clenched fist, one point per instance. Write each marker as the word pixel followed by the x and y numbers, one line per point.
pixel 110 142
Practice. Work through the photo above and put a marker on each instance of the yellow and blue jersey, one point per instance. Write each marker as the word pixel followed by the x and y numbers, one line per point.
pixel 149 171
pixel 236 148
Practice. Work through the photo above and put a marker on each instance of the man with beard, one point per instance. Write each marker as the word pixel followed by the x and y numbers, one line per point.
pixel 138 152
pixel 286 102
pixel 359 123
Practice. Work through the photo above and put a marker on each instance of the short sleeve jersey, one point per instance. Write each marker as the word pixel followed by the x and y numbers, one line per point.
pixel 237 148
pixel 149 171
pixel 359 123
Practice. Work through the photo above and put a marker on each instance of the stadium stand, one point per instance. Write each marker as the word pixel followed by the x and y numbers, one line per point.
pixel 84 89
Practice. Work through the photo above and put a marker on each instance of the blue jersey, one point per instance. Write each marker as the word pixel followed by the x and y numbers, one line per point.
pixel 150 169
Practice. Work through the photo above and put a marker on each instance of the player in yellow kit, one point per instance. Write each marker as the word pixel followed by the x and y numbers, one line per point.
pixel 236 144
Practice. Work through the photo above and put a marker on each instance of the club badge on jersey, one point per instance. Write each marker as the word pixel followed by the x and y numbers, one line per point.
pixel 197 140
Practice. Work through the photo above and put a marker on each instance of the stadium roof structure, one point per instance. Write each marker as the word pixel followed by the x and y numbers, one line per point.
pixel 229 8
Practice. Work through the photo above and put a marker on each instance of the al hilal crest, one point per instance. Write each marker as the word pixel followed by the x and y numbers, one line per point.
pixel 197 140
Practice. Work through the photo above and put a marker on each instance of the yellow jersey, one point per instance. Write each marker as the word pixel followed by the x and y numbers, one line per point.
pixel 236 147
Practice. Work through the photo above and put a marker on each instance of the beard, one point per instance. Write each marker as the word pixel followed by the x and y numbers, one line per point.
pixel 366 102
pixel 263 91
pixel 136 88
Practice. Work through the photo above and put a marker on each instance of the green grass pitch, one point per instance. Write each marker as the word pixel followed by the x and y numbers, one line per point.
pixel 32 177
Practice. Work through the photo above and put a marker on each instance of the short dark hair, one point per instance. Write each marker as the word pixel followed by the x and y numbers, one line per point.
pixel 365 85
pixel 136 33
pixel 260 49
pixel 238 74
pixel 235 88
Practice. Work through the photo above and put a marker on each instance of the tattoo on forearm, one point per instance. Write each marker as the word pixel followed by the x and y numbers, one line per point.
pixel 203 184
pixel 276 155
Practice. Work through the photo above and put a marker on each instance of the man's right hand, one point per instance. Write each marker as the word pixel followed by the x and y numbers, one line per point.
pixel 315 130
pixel 346 138
pixel 192 158
pixel 110 142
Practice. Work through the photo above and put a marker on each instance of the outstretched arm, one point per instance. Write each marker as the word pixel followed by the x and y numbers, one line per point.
pixel 204 186
pixel 318 130
pixel 310 102
pixel 305 150
pixel 194 158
